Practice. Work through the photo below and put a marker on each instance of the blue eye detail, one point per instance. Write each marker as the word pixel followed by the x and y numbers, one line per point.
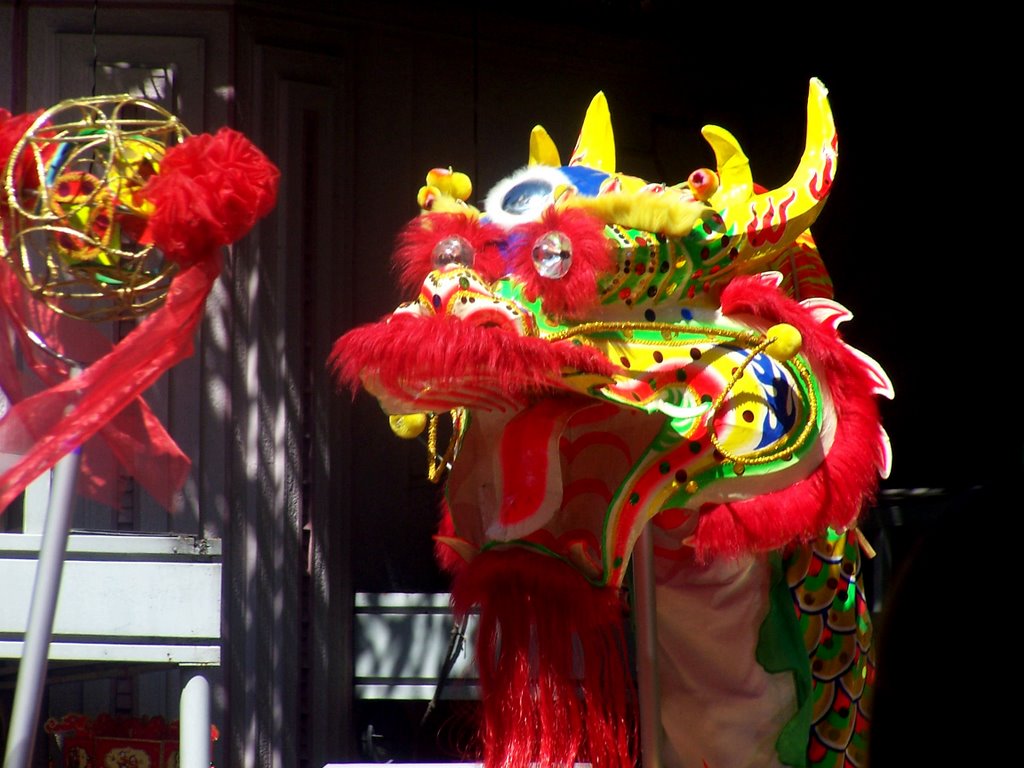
pixel 523 196
pixel 527 196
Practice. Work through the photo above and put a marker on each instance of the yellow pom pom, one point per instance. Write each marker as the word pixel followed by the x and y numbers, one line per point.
pixel 787 341
pixel 451 183
pixel 408 425
pixel 427 196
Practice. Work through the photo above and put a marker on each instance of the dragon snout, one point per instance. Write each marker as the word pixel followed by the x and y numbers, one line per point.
pixel 461 293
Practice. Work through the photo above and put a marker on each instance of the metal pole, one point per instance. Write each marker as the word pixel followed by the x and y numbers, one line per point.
pixel 194 733
pixel 647 649
pixel 28 694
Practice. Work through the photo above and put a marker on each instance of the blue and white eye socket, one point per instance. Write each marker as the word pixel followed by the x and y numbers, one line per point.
pixel 523 196
pixel 526 196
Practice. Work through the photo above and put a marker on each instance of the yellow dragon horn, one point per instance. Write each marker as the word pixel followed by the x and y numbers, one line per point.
pixel 735 185
pixel 767 222
pixel 595 148
pixel 542 149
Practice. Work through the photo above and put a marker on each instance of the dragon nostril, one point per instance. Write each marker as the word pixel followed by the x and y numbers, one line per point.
pixel 452 251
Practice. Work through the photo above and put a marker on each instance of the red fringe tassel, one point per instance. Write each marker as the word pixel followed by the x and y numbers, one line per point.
pixel 553 663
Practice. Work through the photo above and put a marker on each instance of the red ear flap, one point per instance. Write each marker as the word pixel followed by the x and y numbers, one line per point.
pixel 414 254
pixel 560 259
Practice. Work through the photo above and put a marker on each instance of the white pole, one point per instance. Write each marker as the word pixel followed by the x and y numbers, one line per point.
pixel 28 694
pixel 647 649
pixel 194 730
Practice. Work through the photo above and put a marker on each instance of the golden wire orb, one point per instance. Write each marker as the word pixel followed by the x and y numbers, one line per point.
pixel 76 221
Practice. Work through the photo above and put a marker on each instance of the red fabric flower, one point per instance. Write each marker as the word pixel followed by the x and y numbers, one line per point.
pixel 210 191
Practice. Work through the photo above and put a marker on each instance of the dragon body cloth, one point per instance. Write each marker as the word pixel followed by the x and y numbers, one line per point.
pixel 615 354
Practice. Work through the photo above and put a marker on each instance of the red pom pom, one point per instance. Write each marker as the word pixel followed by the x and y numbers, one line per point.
pixel 575 292
pixel 210 191
pixel 414 258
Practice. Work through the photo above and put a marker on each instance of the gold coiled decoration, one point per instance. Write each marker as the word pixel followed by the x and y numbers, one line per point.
pixel 441 463
pixel 75 219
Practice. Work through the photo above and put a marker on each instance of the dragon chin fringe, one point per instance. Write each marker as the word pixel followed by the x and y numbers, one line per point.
pixel 553 663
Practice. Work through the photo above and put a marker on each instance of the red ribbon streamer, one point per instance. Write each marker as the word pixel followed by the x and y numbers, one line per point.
pixel 106 396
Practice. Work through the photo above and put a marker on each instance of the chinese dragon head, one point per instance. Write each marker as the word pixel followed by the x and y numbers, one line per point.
pixel 616 353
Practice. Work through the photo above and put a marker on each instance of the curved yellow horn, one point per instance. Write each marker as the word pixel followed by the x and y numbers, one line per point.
pixel 735 184
pixel 542 149
pixel 767 222
pixel 595 147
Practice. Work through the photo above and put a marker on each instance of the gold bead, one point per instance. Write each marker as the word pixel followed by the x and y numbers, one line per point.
pixel 691 486
pixel 787 341
pixel 408 425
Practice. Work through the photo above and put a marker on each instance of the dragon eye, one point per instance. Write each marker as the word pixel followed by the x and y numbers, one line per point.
pixel 527 196
pixel 552 255
pixel 452 251
pixel 524 195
